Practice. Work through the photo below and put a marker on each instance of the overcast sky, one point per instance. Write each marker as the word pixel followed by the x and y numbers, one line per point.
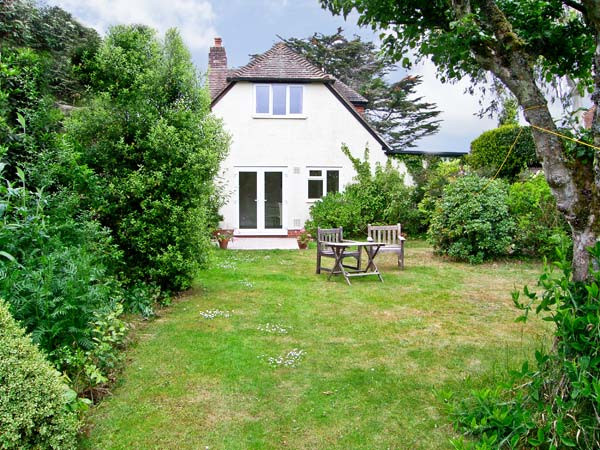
pixel 251 26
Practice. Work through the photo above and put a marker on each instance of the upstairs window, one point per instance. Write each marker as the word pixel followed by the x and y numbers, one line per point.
pixel 322 181
pixel 278 99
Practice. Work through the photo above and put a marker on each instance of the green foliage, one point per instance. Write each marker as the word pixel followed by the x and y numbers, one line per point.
pixel 392 108
pixel 154 150
pixel 375 197
pixel 489 151
pixel 52 32
pixel 555 404
pixel 57 281
pixel 34 402
pixel 459 39
pixel 509 113
pixel 435 179
pixel 471 221
pixel 27 118
pixel 538 223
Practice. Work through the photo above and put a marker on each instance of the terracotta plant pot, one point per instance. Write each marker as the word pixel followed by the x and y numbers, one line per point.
pixel 223 243
pixel 302 245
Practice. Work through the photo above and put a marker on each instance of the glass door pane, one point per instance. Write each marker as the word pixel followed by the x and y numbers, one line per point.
pixel 273 199
pixel 247 190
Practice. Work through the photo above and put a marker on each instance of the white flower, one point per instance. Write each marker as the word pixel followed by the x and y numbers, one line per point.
pixel 213 313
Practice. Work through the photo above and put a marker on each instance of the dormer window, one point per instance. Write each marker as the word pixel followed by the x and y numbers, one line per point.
pixel 278 99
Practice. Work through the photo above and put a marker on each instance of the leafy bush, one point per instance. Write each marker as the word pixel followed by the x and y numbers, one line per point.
pixel 34 402
pixel 554 405
pixel 54 273
pixel 471 220
pixel 154 150
pixel 538 223
pixel 489 150
pixel 437 178
pixel 376 197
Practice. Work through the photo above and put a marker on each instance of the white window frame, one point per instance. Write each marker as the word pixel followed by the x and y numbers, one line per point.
pixel 270 114
pixel 323 179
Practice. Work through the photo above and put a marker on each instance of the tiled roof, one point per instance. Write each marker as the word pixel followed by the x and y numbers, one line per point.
pixel 348 93
pixel 218 81
pixel 280 62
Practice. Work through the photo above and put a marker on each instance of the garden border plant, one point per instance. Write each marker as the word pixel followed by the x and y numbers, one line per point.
pixel 556 403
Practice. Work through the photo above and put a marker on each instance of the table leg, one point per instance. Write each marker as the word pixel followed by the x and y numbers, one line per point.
pixel 338 267
pixel 371 253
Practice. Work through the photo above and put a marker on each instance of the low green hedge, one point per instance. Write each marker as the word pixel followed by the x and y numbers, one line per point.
pixel 34 402
pixel 490 149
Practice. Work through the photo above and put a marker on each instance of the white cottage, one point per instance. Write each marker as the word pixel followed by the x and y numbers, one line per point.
pixel 288 120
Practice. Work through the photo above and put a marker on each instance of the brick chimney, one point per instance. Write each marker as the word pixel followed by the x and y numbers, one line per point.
pixel 217 68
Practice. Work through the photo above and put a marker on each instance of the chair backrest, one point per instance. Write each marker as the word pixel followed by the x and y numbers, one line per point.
pixel 329 235
pixel 388 234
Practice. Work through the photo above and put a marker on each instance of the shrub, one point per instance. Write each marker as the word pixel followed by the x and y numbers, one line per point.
pixel 538 223
pixel 489 150
pixel 155 150
pixel 376 196
pixel 34 405
pixel 555 403
pixel 471 220
pixel 54 273
pixel 438 177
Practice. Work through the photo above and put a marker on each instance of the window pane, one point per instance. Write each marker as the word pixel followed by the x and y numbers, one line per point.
pixel 315 188
pixel 279 91
pixel 333 181
pixel 247 201
pixel 262 99
pixel 273 199
pixel 295 99
pixel 315 173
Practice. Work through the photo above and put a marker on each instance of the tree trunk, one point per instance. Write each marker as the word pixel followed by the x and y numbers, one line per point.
pixel 574 183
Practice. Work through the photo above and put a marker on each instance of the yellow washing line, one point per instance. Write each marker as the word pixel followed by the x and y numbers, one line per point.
pixel 540 129
pixel 565 137
pixel 505 159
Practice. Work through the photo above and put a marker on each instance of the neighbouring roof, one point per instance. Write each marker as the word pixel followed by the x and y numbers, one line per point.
pixel 588 117
pixel 457 154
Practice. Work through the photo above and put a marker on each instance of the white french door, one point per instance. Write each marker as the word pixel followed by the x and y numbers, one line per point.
pixel 261 201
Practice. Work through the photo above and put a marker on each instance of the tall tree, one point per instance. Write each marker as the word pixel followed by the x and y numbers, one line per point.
pixel 516 42
pixel 155 149
pixel 392 108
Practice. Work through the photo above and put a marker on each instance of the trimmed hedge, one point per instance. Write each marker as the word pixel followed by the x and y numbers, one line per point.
pixel 489 150
pixel 34 404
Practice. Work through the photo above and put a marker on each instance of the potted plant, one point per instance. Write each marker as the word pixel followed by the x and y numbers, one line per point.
pixel 224 236
pixel 303 239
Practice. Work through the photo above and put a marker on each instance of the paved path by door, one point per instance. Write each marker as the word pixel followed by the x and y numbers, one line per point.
pixel 267 243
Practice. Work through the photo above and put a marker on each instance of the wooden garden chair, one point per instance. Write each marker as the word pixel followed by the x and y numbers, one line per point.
pixel 325 235
pixel 391 236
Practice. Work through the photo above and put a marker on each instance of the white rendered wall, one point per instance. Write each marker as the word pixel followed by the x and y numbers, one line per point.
pixel 291 144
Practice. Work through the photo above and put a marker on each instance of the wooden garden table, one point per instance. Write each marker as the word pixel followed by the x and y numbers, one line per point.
pixel 339 248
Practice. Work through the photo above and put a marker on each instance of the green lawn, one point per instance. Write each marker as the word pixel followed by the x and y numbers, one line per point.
pixel 373 355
